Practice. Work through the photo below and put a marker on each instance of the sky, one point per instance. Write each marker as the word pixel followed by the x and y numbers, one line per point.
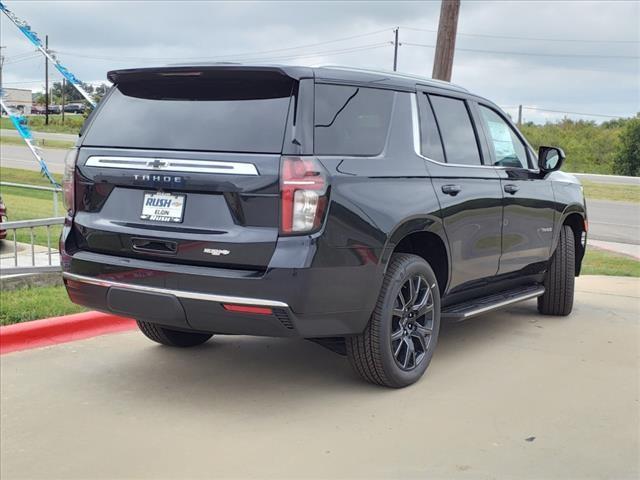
pixel 567 56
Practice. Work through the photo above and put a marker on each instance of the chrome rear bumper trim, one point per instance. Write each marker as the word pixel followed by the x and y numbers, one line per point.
pixel 209 297
pixel 173 165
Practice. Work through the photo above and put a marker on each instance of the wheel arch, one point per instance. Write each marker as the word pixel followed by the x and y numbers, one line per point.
pixel 575 216
pixel 425 237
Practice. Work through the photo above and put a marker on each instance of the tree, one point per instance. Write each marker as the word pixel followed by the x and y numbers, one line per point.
pixel 627 159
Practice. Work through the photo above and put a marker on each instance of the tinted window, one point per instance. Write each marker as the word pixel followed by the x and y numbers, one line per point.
pixel 231 115
pixel 508 149
pixel 429 136
pixel 458 136
pixel 351 120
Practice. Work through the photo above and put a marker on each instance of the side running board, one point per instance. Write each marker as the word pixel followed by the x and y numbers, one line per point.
pixel 471 308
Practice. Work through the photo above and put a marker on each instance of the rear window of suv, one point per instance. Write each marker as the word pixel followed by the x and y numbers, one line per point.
pixel 351 120
pixel 227 115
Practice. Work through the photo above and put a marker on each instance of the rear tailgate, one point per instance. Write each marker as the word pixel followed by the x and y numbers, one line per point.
pixel 183 167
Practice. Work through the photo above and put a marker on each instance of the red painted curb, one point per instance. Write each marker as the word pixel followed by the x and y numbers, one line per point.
pixel 51 331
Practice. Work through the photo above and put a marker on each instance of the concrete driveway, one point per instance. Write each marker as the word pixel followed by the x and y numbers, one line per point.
pixel 508 395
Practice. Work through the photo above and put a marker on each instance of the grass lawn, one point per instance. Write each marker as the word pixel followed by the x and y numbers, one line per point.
pixel 26 204
pixel 602 262
pixel 41 142
pixel 34 303
pixel 29 177
pixel 607 191
pixel 72 123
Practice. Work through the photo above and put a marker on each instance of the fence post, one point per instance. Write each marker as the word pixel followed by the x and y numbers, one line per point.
pixel 55 203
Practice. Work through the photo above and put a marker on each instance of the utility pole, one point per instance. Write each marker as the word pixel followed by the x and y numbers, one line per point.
pixel 446 44
pixel 395 50
pixel 46 82
pixel 519 115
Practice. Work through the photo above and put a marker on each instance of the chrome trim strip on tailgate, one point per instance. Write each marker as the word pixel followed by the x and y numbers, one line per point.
pixel 173 165
pixel 210 297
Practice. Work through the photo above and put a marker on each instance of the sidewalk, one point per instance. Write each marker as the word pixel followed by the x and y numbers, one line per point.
pixel 41 256
pixel 621 248
pixel 511 394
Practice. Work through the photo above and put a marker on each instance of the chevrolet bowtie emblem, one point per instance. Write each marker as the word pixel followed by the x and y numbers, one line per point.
pixel 156 163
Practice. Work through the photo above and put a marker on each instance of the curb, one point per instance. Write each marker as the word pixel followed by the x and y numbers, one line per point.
pixel 51 331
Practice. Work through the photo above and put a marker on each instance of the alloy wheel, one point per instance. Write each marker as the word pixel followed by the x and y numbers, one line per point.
pixel 412 322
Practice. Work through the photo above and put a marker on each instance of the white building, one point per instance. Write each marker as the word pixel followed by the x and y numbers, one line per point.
pixel 19 98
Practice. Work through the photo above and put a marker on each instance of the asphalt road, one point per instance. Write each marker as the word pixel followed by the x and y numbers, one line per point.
pixel 614 221
pixel 19 156
pixel 508 395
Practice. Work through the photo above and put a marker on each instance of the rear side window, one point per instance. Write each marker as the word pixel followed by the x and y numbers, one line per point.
pixel 456 129
pixel 430 143
pixel 351 120
pixel 217 114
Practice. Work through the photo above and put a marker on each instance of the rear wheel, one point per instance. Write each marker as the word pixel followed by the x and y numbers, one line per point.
pixel 560 277
pixel 172 338
pixel 396 347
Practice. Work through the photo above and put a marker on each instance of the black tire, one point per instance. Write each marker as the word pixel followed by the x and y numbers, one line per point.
pixel 172 338
pixel 374 354
pixel 559 280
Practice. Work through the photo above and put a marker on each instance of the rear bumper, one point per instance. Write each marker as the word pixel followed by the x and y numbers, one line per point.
pixel 313 301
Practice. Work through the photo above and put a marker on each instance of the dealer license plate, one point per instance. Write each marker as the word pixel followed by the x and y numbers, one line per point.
pixel 162 207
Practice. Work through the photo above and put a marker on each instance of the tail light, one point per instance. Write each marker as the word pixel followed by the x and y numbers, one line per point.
pixel 303 189
pixel 68 184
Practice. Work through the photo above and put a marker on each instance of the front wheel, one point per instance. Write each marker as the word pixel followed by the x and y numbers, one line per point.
pixel 560 277
pixel 396 347
pixel 172 338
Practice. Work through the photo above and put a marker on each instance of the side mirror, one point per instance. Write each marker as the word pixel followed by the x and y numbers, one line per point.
pixel 550 159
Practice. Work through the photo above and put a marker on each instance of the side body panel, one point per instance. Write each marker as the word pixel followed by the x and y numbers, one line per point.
pixel 528 224
pixel 528 201
pixel 471 214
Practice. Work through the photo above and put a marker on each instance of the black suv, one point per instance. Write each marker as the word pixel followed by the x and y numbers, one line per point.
pixel 355 208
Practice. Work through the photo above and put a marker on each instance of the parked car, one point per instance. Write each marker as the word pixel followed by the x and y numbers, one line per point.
pixel 3 219
pixel 356 208
pixel 38 110
pixel 74 108
pixel 55 109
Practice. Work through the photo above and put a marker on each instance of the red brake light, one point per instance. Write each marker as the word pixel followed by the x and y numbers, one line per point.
pixel 303 188
pixel 68 180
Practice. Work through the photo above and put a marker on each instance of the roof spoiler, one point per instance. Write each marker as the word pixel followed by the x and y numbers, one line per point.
pixel 211 71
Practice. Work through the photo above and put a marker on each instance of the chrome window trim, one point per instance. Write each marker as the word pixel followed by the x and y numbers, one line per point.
pixel 417 141
pixel 173 165
pixel 209 297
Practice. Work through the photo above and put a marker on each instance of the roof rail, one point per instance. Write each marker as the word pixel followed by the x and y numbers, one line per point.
pixel 407 76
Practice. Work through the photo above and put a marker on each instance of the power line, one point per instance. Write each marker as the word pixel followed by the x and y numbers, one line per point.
pixel 572 113
pixel 21 55
pixel 230 55
pixel 532 54
pixel 23 59
pixel 357 48
pixel 538 39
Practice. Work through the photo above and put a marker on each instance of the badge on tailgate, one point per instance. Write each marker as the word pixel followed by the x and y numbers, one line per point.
pixel 162 207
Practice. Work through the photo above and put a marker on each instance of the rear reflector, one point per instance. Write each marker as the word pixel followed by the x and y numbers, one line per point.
pixel 247 309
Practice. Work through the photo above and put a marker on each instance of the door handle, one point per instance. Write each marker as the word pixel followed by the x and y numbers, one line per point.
pixel 511 188
pixel 452 190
